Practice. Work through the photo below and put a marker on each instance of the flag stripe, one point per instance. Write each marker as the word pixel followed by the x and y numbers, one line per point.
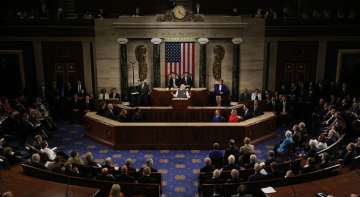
pixel 179 58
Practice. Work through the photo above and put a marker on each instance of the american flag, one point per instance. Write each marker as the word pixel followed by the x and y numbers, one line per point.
pixel 179 58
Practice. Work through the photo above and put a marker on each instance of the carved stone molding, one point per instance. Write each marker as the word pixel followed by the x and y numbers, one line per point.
pixel 122 40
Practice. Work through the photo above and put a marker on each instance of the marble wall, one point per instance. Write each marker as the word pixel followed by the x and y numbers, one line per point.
pixel 220 30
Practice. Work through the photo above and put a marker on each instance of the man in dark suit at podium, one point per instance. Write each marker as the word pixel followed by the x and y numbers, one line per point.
pixel 187 80
pixel 173 81
pixel 220 91
pixel 182 92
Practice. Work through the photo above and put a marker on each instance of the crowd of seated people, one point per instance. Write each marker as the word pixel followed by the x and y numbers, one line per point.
pixel 74 165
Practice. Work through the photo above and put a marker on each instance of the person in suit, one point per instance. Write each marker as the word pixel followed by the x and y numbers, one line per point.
pixel 75 109
pixel 123 116
pixel 256 110
pixel 242 192
pixel 106 175
pixel 257 175
pixel 88 105
pixel 69 90
pixel 218 117
pixel 137 116
pixel 216 178
pixel 216 155
pixel 116 191
pixel 232 149
pixel 173 81
pixel 109 112
pixel 123 176
pixel 80 89
pixel 144 92
pixel 35 161
pixel 146 176
pixel 246 150
pixel 220 91
pixel 182 92
pixel 130 169
pixel 114 95
pixel 256 95
pixel 149 163
pixel 247 113
pixel 231 163
pixel 208 166
pixel 104 95
pixel 187 80
pixel 234 176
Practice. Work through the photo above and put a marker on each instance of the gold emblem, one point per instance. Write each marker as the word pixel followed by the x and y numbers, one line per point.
pixel 179 12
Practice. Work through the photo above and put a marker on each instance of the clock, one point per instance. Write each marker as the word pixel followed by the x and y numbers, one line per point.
pixel 179 12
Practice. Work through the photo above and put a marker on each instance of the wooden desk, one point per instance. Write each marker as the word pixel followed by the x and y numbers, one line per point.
pixel 163 96
pixel 340 185
pixel 179 135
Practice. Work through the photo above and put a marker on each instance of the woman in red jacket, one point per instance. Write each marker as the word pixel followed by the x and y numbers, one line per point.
pixel 234 116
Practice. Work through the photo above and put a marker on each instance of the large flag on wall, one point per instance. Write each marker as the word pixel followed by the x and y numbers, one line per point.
pixel 179 58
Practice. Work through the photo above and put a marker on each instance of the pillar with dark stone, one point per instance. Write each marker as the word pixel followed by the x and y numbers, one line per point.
pixel 156 62
pixel 202 74
pixel 236 69
pixel 123 68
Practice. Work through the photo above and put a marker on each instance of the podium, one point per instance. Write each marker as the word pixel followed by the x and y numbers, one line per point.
pixel 180 103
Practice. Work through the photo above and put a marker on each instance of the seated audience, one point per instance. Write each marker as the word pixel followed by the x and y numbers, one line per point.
pixel 257 175
pixel 108 163
pixel 294 169
pixel 7 194
pixel 246 150
pixel 234 176
pixel 50 152
pixel 274 171
pixel 149 163
pixel 123 176
pixel 231 163
pixel 241 192
pixel 286 143
pixel 216 177
pixel 145 176
pixel 75 158
pixel 130 169
pixel 349 155
pixel 218 117
pixel 232 149
pixel 309 166
pixel 208 166
pixel 116 191
pixel 123 116
pixel 36 161
pixel 106 175
pixel 234 117
pixel 247 113
pixel 270 158
pixel 216 156
pixel 137 116
pixel 109 113
pixel 89 160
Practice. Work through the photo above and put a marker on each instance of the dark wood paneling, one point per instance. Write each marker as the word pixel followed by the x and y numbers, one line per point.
pixel 63 55
pixel 175 135
pixel 29 66
pixel 332 54
pixel 292 58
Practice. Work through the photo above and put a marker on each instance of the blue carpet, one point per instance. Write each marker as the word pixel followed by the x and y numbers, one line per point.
pixel 179 168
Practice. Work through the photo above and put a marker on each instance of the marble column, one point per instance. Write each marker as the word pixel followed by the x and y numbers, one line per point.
pixel 88 80
pixel 202 73
pixel 39 66
pixel 123 68
pixel 156 62
pixel 321 61
pixel 236 69
pixel 273 52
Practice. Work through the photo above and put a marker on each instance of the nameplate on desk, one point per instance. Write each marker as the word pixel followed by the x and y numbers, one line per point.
pixel 180 99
